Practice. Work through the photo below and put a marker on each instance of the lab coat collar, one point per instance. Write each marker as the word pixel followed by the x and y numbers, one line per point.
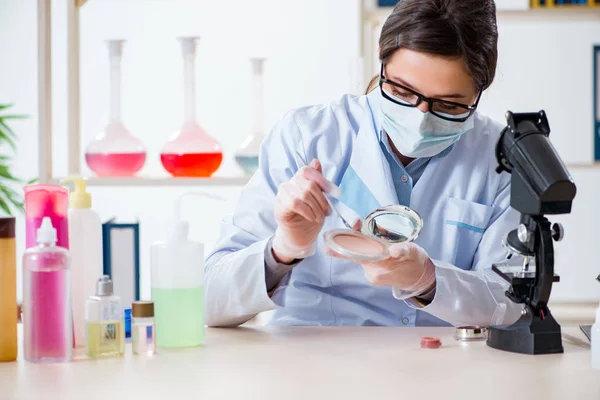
pixel 374 100
pixel 367 183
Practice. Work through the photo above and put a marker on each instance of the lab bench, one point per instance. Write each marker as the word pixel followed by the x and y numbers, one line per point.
pixel 316 363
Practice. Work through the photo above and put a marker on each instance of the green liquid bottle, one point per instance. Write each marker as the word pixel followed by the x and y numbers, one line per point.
pixel 178 322
pixel 177 266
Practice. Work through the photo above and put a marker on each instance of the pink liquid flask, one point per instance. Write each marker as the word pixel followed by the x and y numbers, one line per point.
pixel 47 320
pixel 191 152
pixel 115 151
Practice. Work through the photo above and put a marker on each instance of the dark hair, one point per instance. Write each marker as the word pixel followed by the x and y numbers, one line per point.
pixel 448 28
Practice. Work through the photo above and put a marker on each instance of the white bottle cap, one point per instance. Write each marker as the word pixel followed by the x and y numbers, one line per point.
pixel 46 234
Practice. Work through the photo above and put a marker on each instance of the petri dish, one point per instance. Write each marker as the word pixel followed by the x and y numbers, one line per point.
pixel 356 245
pixel 393 224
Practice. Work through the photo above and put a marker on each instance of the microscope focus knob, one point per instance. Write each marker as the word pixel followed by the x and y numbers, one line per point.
pixel 523 234
pixel 558 232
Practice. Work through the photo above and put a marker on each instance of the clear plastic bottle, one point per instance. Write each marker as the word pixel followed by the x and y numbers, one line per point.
pixel 104 326
pixel 115 152
pixel 191 152
pixel 47 321
pixel 177 282
pixel 247 155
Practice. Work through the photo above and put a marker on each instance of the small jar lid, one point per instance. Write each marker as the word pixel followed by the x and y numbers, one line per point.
pixel 7 227
pixel 470 333
pixel 142 309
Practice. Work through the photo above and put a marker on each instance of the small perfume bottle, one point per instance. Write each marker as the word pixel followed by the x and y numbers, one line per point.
pixel 143 328
pixel 104 325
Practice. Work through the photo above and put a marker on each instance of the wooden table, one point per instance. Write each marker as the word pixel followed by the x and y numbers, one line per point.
pixel 316 363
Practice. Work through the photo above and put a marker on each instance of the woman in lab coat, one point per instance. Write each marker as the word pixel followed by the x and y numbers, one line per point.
pixel 414 139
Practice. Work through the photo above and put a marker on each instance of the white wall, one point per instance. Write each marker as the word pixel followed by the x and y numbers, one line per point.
pixel 309 63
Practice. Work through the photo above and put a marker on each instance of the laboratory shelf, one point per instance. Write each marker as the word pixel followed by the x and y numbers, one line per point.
pixel 165 181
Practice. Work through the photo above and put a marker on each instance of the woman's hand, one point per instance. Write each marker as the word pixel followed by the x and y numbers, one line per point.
pixel 300 211
pixel 408 268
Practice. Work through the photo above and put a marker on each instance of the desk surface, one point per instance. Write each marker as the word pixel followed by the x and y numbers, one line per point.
pixel 307 363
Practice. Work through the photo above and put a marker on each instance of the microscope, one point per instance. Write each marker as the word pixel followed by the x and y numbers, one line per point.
pixel 540 184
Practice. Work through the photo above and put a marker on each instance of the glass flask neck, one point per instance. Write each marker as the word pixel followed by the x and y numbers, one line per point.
pixel 257 96
pixel 189 83
pixel 115 89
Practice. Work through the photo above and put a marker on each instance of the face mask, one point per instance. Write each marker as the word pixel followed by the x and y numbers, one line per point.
pixel 417 134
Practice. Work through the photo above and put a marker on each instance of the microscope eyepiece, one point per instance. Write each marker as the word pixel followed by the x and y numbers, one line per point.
pixel 541 183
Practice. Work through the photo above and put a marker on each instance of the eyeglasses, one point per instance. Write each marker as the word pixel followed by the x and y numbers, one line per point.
pixel 406 97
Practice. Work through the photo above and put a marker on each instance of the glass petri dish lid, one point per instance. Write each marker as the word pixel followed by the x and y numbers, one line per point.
pixel 393 224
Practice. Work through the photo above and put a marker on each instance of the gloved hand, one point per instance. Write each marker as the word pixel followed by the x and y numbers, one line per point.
pixel 408 269
pixel 300 211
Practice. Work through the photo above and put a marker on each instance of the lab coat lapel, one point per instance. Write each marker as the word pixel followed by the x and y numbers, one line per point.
pixel 367 182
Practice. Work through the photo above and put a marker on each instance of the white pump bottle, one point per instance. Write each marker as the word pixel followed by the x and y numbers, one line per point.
pixel 85 247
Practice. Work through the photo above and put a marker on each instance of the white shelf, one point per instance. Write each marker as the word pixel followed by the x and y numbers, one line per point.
pixel 166 181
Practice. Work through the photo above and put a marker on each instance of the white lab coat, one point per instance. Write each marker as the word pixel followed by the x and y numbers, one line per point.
pixel 463 201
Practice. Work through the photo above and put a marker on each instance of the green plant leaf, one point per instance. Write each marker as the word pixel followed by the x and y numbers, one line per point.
pixel 13 116
pixel 5 106
pixel 5 173
pixel 8 130
pixel 4 207
pixel 32 181
pixel 13 196
pixel 10 141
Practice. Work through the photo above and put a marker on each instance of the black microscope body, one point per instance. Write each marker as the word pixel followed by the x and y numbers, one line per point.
pixel 540 184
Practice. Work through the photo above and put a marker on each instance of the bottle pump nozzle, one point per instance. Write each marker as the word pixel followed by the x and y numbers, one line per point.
pixel 79 198
pixel 46 234
pixel 181 228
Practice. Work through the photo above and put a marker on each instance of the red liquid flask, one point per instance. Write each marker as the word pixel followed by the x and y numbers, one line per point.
pixel 191 152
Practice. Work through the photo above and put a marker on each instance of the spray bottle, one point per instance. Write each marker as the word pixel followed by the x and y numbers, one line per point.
pixel 178 284
pixel 85 241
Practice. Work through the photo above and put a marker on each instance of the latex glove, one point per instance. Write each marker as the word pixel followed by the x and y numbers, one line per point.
pixel 300 211
pixel 408 269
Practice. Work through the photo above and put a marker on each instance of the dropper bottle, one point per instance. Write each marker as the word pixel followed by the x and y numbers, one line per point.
pixel 47 321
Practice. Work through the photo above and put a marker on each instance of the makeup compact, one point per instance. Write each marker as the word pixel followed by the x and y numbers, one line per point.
pixel 381 229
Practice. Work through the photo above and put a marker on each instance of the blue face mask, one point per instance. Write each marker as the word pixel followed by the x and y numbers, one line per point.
pixel 417 134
